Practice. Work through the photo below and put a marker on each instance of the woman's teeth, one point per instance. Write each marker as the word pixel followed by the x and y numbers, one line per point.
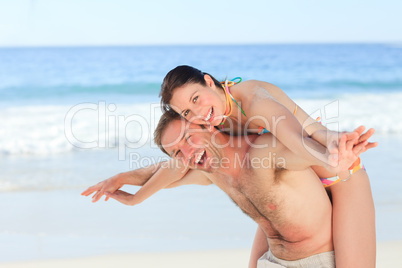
pixel 209 115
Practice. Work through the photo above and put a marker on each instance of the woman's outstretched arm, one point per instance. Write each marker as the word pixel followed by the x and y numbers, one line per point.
pixel 152 179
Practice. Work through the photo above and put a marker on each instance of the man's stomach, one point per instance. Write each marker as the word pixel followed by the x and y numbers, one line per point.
pixel 298 243
pixel 301 224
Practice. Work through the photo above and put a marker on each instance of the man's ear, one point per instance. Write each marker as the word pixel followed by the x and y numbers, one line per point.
pixel 209 81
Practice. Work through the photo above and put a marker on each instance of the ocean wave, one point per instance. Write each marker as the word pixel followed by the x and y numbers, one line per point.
pixel 59 91
pixel 378 111
pixel 47 130
pixel 346 85
pixel 43 130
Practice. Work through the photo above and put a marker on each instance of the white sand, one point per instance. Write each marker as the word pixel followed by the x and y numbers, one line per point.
pixel 389 254
pixel 197 259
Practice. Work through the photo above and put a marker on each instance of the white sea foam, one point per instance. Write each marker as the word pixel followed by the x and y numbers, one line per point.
pixel 56 129
pixel 43 130
pixel 379 111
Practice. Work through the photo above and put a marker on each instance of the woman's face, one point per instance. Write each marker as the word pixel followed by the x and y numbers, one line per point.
pixel 202 105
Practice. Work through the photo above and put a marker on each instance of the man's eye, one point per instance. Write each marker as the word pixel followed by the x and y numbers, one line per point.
pixel 195 99
pixel 186 113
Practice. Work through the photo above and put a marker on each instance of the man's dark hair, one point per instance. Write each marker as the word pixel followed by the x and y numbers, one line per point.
pixel 166 118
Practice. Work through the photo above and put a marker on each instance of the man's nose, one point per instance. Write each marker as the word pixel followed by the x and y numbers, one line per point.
pixel 188 151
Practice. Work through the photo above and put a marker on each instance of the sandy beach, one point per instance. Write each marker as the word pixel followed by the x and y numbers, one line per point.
pixel 388 255
pixel 49 231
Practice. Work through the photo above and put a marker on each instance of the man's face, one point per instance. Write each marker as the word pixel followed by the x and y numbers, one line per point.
pixel 191 144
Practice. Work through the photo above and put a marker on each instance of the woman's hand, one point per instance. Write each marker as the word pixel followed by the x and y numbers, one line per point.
pixel 123 197
pixel 346 147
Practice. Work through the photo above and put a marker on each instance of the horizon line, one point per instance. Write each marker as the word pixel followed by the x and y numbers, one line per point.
pixel 202 44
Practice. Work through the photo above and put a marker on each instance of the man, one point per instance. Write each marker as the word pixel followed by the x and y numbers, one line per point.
pixel 267 181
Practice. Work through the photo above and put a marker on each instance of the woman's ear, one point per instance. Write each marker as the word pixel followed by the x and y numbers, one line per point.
pixel 209 81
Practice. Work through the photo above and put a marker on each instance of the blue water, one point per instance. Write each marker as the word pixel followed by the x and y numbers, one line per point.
pixel 49 74
pixel 39 87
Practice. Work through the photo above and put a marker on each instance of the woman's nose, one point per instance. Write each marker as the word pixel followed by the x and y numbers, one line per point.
pixel 197 116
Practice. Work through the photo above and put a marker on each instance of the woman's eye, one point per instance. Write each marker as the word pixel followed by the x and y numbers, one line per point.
pixel 178 151
pixel 186 112
pixel 195 99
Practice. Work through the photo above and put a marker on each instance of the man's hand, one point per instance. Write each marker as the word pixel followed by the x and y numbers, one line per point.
pixel 110 185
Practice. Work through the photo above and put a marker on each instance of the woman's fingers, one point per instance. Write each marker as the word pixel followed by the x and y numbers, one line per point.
pixel 367 135
pixel 342 144
pixel 360 148
pixel 121 196
pixel 360 130
pixel 90 190
pixel 93 188
pixel 87 192
pixel 97 196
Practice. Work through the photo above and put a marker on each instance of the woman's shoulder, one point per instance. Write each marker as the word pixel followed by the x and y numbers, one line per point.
pixel 250 89
pixel 254 85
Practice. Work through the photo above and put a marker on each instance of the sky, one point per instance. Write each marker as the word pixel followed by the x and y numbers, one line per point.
pixel 171 22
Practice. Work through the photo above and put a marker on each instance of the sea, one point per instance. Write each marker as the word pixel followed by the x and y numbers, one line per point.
pixel 73 116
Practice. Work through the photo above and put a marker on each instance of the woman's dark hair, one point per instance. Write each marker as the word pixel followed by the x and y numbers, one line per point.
pixel 178 77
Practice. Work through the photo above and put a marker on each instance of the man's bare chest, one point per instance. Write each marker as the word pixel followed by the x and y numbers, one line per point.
pixel 258 196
